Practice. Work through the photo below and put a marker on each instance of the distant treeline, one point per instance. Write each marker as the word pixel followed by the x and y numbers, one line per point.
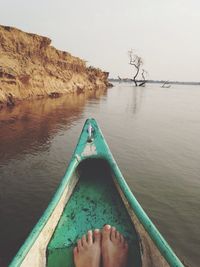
pixel 155 81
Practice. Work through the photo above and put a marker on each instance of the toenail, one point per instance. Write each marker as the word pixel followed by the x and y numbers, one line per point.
pixel 107 227
pixel 97 231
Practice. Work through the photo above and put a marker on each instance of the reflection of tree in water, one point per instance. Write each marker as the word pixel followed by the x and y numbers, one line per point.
pixel 136 100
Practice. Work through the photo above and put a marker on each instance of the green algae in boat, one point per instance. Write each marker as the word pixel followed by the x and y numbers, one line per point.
pixel 93 193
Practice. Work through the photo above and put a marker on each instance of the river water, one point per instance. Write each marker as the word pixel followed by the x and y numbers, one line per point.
pixel 153 133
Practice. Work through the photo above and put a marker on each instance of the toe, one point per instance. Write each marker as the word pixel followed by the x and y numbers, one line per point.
pixel 75 251
pixel 106 232
pixel 113 233
pixel 79 245
pixel 122 238
pixel 89 237
pixel 117 237
pixel 97 235
pixel 84 241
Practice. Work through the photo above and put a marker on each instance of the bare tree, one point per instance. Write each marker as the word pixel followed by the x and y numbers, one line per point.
pixel 144 73
pixel 137 62
pixel 166 84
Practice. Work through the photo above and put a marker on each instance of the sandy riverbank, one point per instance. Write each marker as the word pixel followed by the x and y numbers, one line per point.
pixel 31 68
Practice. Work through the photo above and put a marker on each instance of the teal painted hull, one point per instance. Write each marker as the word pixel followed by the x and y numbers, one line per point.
pixel 92 193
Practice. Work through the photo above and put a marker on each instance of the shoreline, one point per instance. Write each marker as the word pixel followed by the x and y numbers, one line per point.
pixel 12 102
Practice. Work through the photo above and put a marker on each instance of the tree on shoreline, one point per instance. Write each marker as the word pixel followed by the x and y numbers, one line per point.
pixel 144 72
pixel 137 62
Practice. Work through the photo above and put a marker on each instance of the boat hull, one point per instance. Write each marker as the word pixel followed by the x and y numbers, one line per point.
pixel 73 211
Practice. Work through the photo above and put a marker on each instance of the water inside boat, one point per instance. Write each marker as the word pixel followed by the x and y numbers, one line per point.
pixel 94 202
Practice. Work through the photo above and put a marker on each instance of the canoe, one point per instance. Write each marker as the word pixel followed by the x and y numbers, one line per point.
pixel 92 193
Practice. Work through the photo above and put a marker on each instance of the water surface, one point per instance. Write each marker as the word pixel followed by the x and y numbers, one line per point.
pixel 153 133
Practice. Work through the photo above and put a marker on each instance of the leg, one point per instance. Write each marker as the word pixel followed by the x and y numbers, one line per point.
pixel 88 250
pixel 114 248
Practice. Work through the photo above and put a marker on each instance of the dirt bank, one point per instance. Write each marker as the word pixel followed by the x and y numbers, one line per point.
pixel 31 68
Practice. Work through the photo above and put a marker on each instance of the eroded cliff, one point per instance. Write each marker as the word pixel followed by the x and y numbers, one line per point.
pixel 30 68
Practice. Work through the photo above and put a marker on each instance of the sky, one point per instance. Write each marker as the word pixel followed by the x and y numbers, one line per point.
pixel 166 34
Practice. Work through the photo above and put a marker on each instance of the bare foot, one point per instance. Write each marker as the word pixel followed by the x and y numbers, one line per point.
pixel 114 248
pixel 88 250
